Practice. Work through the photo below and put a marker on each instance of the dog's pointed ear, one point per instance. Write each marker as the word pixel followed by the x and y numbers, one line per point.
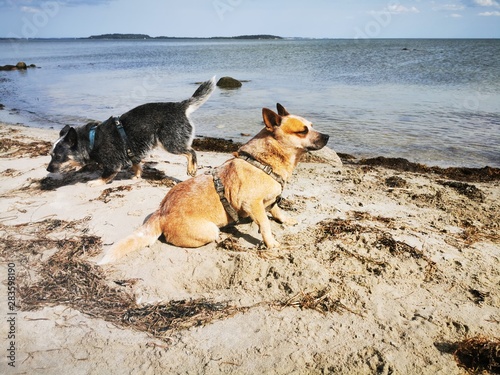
pixel 71 137
pixel 281 110
pixel 64 131
pixel 271 119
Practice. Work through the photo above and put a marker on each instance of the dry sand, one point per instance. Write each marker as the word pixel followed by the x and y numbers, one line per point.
pixel 386 273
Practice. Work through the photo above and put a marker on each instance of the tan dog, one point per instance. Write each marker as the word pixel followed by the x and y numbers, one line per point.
pixel 192 212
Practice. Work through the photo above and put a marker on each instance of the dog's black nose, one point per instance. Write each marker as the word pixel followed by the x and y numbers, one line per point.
pixel 323 140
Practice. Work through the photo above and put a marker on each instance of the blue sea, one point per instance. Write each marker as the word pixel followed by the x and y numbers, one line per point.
pixel 435 102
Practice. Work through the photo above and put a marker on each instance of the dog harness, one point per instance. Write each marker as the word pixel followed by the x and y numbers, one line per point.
pixel 219 186
pixel 123 135
pixel 264 167
pixel 92 136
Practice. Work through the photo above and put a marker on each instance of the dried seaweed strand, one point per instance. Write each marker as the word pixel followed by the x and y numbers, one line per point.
pixel 478 354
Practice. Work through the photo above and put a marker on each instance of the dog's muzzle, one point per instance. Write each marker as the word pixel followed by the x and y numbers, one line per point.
pixel 319 142
pixel 53 167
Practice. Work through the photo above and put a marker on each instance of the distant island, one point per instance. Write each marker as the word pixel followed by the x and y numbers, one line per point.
pixel 120 36
pixel 260 36
pixel 145 36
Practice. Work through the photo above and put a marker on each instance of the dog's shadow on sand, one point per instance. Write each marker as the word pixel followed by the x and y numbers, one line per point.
pixel 91 172
pixel 233 231
pixel 54 181
pixel 229 230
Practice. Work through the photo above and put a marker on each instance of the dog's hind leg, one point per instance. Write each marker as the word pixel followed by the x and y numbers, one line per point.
pixel 196 233
pixel 105 178
pixel 192 162
pixel 137 169
pixel 180 145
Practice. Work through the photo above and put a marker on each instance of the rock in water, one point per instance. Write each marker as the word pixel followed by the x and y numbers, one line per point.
pixel 228 83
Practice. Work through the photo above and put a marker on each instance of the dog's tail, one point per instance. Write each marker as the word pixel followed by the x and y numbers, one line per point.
pixel 146 235
pixel 200 96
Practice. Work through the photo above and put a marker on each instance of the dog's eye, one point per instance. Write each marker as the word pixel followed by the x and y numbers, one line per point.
pixel 303 132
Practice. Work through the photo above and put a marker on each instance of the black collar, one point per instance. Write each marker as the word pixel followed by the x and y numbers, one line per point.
pixel 264 167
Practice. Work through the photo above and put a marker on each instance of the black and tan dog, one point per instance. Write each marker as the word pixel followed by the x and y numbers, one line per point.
pixel 248 185
pixel 123 141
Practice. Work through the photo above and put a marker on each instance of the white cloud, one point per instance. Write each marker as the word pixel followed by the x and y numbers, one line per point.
pixel 399 9
pixel 396 9
pixel 449 7
pixel 490 14
pixel 487 3
pixel 26 9
pixel 456 15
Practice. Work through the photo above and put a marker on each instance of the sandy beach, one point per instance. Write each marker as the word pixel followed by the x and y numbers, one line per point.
pixel 392 268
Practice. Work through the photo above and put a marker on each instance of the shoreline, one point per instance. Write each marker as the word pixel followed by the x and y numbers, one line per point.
pixel 465 174
pixel 484 174
pixel 461 173
pixel 390 270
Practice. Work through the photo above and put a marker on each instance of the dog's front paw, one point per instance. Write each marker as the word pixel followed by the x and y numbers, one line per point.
pixel 109 257
pixel 272 244
pixel 96 183
pixel 290 221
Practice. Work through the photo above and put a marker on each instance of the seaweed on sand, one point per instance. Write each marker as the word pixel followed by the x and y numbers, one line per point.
pixel 335 228
pixel 176 315
pixel 215 145
pixel 113 192
pixel 470 191
pixel 157 177
pixel 319 300
pixel 486 174
pixel 11 148
pixel 479 354
pixel 349 231
pixel 67 278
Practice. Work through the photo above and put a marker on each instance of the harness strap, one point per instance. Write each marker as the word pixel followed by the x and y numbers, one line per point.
pixel 264 167
pixel 219 188
pixel 92 136
pixel 123 135
pixel 267 169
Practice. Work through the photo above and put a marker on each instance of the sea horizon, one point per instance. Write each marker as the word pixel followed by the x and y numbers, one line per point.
pixel 135 36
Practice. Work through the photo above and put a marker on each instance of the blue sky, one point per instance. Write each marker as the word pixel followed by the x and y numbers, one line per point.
pixel 288 18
